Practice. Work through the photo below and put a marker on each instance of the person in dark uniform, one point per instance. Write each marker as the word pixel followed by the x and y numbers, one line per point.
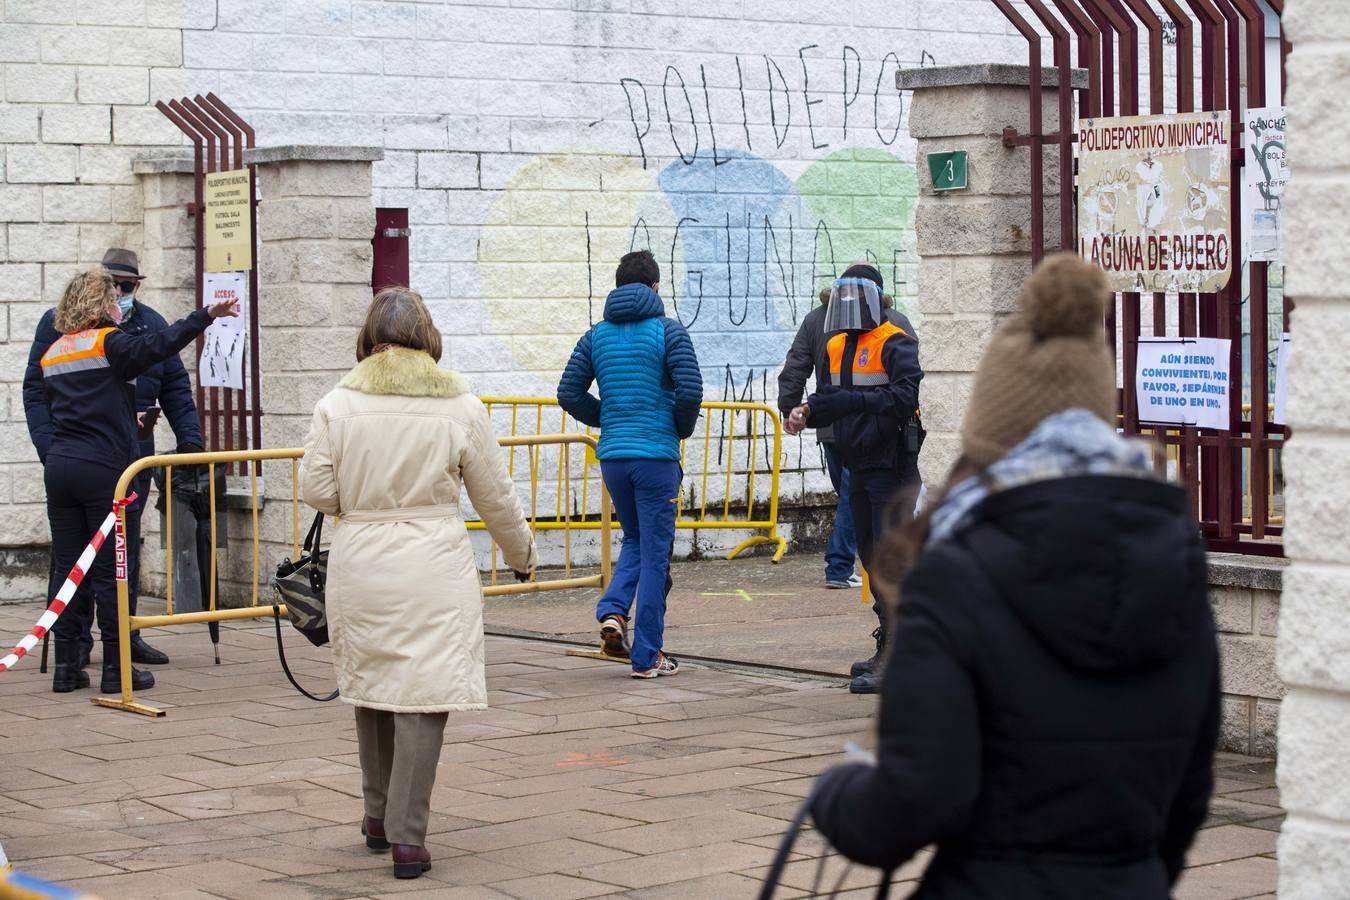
pixel 1052 700
pixel 164 386
pixel 88 381
pixel 870 397
pixel 805 358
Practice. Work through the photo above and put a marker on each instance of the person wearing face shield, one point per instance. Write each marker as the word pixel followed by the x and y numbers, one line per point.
pixel 805 360
pixel 164 386
pixel 869 396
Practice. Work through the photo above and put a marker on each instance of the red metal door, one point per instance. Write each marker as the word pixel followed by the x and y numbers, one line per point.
pixel 390 268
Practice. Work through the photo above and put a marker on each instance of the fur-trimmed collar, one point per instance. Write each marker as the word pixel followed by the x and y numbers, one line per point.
pixel 405 372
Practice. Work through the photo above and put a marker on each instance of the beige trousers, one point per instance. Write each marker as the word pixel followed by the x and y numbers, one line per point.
pixel 399 753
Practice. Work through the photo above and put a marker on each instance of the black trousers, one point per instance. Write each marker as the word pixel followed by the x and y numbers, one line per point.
pixel 881 498
pixel 79 498
pixel 141 485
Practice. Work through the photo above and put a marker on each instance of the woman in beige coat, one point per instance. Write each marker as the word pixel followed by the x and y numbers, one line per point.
pixel 388 452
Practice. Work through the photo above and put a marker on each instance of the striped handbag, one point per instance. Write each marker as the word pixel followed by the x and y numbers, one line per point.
pixel 300 585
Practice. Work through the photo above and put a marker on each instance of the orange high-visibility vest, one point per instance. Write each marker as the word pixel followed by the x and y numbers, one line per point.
pixel 866 366
pixel 76 352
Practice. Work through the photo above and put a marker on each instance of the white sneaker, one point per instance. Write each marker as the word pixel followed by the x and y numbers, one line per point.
pixel 853 581
pixel 665 665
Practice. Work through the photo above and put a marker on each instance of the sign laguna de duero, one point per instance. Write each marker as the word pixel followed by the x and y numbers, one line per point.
pixel 1154 201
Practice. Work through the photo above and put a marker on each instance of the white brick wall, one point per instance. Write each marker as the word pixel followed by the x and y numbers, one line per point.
pixel 532 144
pixel 1314 642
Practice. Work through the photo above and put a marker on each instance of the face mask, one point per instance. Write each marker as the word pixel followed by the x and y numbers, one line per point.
pixel 124 303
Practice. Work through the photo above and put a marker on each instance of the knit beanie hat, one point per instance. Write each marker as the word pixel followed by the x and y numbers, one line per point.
pixel 863 269
pixel 1050 356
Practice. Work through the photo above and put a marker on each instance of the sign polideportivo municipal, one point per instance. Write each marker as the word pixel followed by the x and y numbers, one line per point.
pixel 229 227
pixel 1154 201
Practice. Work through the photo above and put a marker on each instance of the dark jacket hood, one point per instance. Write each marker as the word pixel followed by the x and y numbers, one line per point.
pixel 1089 563
pixel 633 303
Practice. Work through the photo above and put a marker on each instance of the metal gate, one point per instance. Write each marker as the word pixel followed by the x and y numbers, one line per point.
pixel 1234 475
pixel 231 419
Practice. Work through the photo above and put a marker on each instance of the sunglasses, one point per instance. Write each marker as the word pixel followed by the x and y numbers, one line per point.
pixel 126 287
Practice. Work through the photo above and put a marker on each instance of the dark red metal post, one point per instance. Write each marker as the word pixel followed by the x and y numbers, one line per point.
pixel 1258 276
pixel 1089 55
pixel 235 141
pixel 221 420
pixel 1062 54
pixel 210 411
pixel 199 219
pixel 1035 127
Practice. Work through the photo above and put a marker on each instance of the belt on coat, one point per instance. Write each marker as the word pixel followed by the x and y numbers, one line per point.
pixel 401 514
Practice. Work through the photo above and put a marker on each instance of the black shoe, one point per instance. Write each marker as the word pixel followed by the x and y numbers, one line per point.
pixel 869 683
pixel 85 650
pixel 143 653
pixel 111 682
pixel 871 665
pixel 66 675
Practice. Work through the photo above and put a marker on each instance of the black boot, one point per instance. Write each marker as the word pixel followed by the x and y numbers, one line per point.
pixel 871 665
pixel 867 683
pixel 112 674
pixel 67 675
pixel 143 653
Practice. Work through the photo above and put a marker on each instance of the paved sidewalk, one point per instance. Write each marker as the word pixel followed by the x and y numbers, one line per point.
pixel 580 782
pixel 746 610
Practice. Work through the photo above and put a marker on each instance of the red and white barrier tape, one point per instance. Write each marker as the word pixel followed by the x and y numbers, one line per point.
pixel 58 605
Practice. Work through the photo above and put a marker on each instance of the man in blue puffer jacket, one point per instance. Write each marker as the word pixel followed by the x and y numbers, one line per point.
pixel 650 394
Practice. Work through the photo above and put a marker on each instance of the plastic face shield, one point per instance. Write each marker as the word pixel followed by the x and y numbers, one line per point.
pixel 855 305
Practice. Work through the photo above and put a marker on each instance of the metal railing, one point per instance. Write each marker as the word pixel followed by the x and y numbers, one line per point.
pixel 737 447
pixel 128 623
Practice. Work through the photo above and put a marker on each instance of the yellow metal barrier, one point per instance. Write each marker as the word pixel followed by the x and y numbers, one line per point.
pixel 736 447
pixel 127 623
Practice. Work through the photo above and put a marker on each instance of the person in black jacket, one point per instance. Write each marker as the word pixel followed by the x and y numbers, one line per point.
pixel 868 393
pixel 87 381
pixel 164 386
pixel 1050 703
pixel 805 359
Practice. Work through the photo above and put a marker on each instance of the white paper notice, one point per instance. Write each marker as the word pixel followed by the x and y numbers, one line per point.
pixel 1183 381
pixel 1267 176
pixel 222 363
pixel 1282 382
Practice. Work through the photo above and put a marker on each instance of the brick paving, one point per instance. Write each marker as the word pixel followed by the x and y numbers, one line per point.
pixel 578 783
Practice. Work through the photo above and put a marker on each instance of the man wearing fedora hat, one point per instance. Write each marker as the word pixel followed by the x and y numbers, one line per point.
pixel 164 386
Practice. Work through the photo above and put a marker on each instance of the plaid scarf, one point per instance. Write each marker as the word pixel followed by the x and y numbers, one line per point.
pixel 1070 443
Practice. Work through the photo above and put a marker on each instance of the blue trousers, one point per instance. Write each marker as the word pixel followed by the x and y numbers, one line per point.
pixel 843 546
pixel 646 496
